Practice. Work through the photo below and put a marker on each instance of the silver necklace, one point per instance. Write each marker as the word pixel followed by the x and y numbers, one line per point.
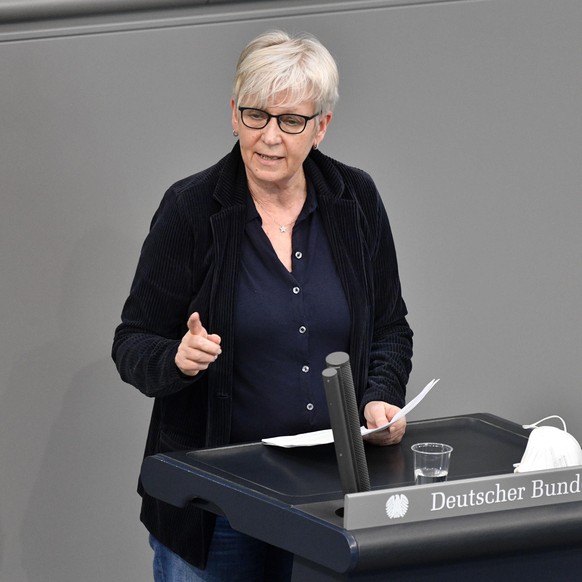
pixel 282 227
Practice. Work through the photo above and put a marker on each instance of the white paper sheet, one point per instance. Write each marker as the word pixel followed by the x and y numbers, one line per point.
pixel 324 437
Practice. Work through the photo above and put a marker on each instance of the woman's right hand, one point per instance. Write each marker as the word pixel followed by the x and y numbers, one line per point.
pixel 198 349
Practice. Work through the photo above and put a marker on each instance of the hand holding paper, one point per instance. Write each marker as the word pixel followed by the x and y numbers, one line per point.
pixel 323 437
pixel 377 413
pixel 404 411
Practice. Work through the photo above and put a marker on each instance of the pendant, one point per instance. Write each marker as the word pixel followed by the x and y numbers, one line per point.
pixel 283 228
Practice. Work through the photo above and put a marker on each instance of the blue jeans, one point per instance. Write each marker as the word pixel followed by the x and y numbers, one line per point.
pixel 233 557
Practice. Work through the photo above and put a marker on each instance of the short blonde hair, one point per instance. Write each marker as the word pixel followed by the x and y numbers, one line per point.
pixel 293 69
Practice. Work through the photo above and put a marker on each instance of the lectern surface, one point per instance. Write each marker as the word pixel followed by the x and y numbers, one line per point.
pixel 483 445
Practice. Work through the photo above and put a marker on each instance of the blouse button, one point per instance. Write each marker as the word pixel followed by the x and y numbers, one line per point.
pixel 298 255
pixel 296 290
pixel 305 369
pixel 310 406
pixel 302 329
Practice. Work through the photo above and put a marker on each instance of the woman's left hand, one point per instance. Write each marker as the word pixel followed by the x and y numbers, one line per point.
pixel 378 413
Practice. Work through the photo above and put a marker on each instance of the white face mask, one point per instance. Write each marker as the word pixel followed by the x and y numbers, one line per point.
pixel 549 447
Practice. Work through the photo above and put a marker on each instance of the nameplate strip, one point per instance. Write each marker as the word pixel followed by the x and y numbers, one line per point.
pixel 461 497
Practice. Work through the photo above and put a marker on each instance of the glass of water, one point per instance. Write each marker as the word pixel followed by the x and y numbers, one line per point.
pixel 431 462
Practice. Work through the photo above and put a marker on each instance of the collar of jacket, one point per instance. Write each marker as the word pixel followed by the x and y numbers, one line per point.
pixel 231 187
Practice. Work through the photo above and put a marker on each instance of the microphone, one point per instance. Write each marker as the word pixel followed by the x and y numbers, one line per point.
pixel 340 394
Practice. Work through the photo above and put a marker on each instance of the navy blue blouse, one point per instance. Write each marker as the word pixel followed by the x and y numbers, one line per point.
pixel 286 323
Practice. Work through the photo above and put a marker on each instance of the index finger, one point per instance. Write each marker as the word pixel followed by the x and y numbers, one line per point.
pixel 195 326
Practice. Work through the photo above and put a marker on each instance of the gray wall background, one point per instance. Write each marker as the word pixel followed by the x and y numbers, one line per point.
pixel 468 115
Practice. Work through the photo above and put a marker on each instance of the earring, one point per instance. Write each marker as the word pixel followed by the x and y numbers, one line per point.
pixel 314 146
pixel 235 133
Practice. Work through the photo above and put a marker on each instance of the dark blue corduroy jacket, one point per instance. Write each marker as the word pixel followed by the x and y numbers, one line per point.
pixel 190 262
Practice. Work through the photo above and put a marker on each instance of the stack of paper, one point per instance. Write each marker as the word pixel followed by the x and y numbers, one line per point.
pixel 324 437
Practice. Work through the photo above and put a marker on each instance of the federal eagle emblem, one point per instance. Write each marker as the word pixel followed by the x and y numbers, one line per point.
pixel 396 506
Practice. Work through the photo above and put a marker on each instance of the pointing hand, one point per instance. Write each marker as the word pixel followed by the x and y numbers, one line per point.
pixel 198 349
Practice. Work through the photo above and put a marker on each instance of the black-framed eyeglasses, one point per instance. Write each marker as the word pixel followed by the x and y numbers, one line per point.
pixel 287 122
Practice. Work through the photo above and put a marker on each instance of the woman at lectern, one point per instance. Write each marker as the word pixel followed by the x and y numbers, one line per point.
pixel 253 271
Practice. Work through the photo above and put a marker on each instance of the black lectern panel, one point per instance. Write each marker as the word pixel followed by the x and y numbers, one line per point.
pixel 293 498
